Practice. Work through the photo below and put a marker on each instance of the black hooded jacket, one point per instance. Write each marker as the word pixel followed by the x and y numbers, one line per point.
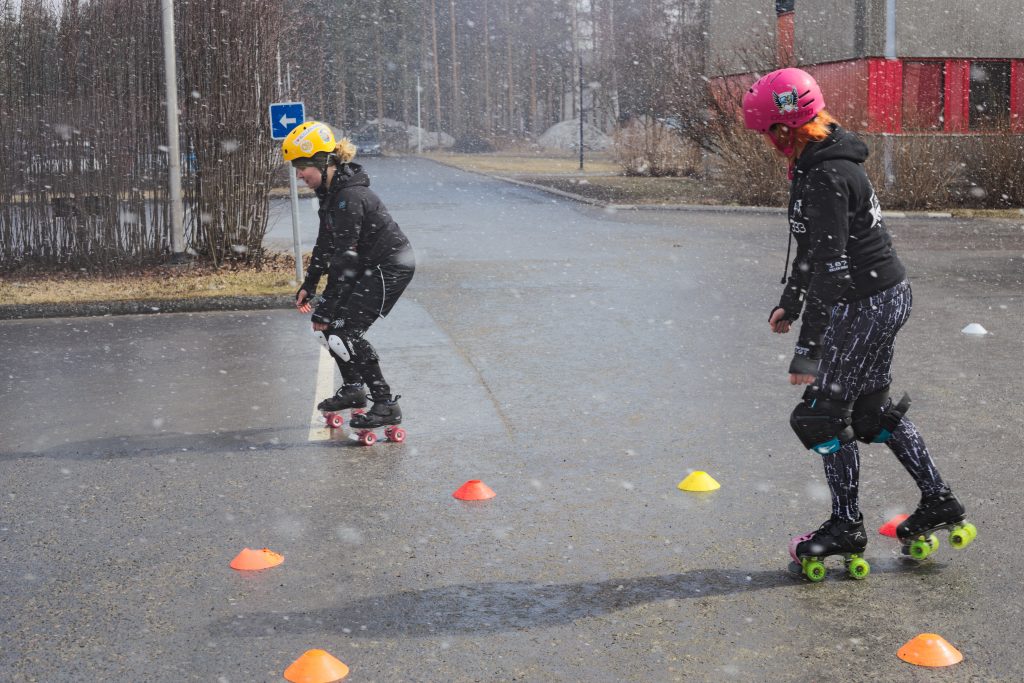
pixel 356 234
pixel 844 252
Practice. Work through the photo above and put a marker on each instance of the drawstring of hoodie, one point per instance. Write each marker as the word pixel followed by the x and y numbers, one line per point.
pixel 785 269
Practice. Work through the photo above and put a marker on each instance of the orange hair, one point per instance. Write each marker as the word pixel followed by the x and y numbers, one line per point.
pixel 815 130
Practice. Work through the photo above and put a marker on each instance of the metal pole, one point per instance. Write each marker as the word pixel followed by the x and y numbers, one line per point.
pixel 419 129
pixel 581 112
pixel 293 194
pixel 173 151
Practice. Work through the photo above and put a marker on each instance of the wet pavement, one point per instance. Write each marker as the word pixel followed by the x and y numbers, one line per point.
pixel 581 362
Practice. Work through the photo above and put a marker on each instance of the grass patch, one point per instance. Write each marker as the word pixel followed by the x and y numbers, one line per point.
pixel 159 283
pixel 525 163
pixel 635 190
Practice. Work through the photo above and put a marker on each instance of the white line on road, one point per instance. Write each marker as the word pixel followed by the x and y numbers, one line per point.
pixel 318 430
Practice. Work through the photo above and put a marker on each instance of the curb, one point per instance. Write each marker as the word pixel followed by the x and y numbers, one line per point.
pixel 700 208
pixel 199 305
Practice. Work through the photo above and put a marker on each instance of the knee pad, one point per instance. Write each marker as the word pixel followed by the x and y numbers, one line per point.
pixel 875 417
pixel 340 346
pixel 823 425
pixel 321 338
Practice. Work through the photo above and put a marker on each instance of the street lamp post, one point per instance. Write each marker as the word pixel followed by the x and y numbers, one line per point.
pixel 581 112
pixel 173 151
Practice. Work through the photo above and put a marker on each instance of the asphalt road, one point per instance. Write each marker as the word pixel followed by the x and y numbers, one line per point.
pixel 581 363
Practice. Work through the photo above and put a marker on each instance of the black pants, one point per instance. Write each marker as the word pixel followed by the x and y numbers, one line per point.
pixel 857 358
pixel 373 296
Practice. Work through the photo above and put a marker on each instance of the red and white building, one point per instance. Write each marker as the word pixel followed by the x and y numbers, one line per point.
pixel 885 66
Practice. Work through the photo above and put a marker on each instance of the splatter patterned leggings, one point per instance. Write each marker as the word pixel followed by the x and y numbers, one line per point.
pixel 858 348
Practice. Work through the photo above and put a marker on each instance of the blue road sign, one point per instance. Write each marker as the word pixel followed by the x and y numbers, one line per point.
pixel 284 116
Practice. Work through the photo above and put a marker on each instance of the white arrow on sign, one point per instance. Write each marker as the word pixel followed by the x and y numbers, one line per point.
pixel 285 121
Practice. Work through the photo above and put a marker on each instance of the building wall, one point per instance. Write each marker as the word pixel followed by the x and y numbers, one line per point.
pixel 838 30
pixel 940 28
pixel 741 36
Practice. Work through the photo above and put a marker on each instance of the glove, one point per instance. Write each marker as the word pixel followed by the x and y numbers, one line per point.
pixel 325 311
pixel 805 360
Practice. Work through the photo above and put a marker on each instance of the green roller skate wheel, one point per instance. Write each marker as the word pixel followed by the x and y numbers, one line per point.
pixel 814 570
pixel 858 568
pixel 962 536
pixel 933 542
pixel 920 549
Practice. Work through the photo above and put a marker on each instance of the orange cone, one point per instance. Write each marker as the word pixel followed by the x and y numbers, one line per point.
pixel 251 560
pixel 889 528
pixel 929 649
pixel 474 489
pixel 316 666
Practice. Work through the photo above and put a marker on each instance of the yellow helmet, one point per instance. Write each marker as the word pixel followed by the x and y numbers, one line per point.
pixel 306 140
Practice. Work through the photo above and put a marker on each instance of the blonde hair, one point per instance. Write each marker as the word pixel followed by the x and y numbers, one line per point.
pixel 345 151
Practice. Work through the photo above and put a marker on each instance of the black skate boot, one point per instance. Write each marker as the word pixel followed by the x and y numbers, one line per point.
pixel 348 396
pixel 834 537
pixel 937 511
pixel 383 413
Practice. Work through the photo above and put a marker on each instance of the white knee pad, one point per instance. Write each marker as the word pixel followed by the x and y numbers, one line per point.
pixel 321 338
pixel 337 344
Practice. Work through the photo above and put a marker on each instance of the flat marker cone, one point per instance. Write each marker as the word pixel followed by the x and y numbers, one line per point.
pixel 316 666
pixel 929 649
pixel 474 489
pixel 889 528
pixel 252 560
pixel 699 481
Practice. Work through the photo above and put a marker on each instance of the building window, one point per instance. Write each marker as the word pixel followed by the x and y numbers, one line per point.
pixel 924 95
pixel 990 95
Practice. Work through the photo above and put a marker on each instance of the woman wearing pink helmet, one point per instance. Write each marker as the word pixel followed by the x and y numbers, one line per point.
pixel 852 291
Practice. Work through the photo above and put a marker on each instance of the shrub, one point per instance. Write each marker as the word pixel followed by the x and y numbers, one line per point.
pixel 749 170
pixel 647 147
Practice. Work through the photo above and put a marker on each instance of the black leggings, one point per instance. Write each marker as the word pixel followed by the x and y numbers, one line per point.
pixel 372 297
pixel 858 349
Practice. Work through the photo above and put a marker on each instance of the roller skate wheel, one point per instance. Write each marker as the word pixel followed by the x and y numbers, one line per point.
pixel 367 438
pixel 396 434
pixel 920 549
pixel 335 421
pixel 814 570
pixel 858 568
pixel 962 536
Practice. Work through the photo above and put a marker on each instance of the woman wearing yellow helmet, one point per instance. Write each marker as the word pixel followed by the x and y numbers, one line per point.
pixel 368 261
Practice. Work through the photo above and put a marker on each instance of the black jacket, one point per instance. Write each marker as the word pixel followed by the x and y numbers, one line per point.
pixel 356 234
pixel 844 252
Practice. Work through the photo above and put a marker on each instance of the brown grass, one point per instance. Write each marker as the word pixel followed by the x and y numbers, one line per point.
pixel 525 163
pixel 161 283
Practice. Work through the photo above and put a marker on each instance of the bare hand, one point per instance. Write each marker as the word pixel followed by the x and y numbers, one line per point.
pixel 800 379
pixel 302 302
pixel 778 325
pixel 320 327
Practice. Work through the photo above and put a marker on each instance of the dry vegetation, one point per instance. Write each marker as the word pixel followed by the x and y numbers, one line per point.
pixel 276 276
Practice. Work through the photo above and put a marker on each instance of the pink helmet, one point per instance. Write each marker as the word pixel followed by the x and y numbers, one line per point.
pixel 787 96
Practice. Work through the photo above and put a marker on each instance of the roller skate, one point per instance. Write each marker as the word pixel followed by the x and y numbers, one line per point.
pixel 348 396
pixel 937 511
pixel 834 537
pixel 384 413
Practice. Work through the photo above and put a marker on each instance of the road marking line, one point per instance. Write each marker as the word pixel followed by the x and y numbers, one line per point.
pixel 318 430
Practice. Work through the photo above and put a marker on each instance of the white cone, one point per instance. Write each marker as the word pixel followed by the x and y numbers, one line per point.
pixel 975 329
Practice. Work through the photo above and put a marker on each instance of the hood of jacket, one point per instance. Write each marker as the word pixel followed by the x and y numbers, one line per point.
pixel 840 144
pixel 346 175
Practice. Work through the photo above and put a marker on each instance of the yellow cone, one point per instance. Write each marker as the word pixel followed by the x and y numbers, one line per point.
pixel 699 481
